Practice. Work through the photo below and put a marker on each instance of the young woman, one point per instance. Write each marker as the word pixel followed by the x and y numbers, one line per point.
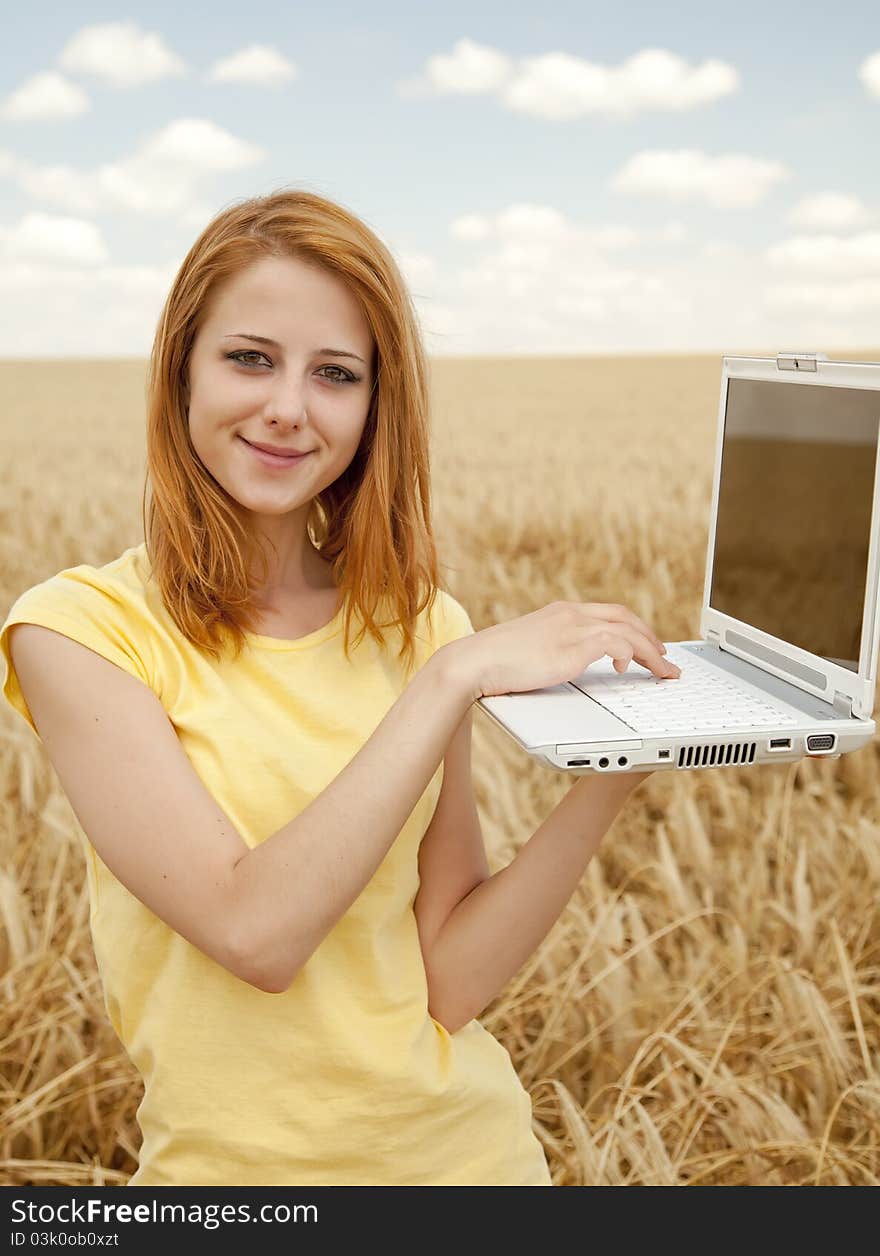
pixel 291 908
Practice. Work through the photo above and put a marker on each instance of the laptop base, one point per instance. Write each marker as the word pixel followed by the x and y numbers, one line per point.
pixel 565 729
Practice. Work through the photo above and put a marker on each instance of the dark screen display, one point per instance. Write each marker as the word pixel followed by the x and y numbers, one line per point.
pixel 794 512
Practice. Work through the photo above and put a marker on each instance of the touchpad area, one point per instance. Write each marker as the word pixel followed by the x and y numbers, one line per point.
pixel 556 715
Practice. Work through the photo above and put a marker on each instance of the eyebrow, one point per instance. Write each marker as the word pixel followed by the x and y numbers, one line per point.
pixel 266 340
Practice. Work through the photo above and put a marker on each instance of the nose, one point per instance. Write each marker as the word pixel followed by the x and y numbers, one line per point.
pixel 286 402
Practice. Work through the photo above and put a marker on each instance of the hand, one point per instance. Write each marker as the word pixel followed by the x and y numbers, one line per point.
pixel 555 644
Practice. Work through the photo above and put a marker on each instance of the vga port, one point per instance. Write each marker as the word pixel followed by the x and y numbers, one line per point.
pixel 820 741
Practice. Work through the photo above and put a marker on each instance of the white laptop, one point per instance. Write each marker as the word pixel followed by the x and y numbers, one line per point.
pixel 785 665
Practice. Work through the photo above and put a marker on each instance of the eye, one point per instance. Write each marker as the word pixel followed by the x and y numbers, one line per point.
pixel 345 377
pixel 247 353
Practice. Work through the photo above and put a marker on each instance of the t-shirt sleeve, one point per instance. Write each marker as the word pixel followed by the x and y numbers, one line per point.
pixel 81 604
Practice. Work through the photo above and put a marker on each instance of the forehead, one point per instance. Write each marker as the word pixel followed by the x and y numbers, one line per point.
pixel 287 297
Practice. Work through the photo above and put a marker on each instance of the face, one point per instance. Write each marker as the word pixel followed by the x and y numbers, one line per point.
pixel 309 392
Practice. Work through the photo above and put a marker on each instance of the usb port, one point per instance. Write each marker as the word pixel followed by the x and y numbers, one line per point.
pixel 780 743
pixel 662 754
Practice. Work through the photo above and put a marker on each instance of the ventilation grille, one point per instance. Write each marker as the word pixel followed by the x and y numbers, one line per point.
pixel 716 756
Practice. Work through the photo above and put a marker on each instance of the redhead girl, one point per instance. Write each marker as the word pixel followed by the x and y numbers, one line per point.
pixel 261 716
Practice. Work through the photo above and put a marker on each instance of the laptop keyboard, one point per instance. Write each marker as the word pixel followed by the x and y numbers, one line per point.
pixel 701 698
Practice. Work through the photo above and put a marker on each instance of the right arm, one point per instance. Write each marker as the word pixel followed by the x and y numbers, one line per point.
pixel 259 912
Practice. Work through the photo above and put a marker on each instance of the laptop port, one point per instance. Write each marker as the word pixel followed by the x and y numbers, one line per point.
pixel 579 763
pixel 663 754
pixel 780 743
pixel 820 741
pixel 622 761
pixel 603 763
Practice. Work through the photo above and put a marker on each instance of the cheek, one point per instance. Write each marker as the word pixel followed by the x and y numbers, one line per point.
pixel 213 410
pixel 338 424
pixel 217 391
pixel 356 415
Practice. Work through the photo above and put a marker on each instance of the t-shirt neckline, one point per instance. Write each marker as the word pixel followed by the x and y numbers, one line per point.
pixel 324 633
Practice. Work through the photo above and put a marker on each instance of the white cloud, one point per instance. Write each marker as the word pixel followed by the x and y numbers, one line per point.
pixel 723 249
pixel 615 237
pixel 419 269
pixel 541 223
pixel 559 87
pixel 470 227
pixel 534 281
pixel 830 211
pixel 534 222
pixel 73 189
pixel 258 64
pixel 43 97
pixel 846 300
pixel 160 178
pixel 731 181
pixel 120 54
pixel 53 238
pixel 196 217
pixel 520 299
pixel 92 311
pixel 537 281
pixel 829 255
pixel 471 68
pixel 200 143
pixel 869 73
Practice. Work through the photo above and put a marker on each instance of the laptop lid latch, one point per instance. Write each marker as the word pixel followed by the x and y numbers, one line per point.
pixel 799 361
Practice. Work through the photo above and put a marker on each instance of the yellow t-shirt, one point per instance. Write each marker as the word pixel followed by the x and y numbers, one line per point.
pixel 344 1079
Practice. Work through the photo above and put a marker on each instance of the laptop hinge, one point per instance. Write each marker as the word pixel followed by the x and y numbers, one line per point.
pixel 843 703
pixel 799 361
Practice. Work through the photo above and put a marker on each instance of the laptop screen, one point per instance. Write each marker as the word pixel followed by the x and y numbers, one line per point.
pixel 794 512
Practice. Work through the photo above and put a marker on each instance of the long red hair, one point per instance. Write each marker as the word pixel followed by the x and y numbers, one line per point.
pixel 374 522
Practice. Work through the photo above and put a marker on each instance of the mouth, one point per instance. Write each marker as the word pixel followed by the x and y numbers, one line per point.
pixel 273 460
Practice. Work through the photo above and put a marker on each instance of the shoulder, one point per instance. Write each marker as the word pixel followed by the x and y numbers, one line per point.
pixel 121 581
pixel 104 608
pixel 111 597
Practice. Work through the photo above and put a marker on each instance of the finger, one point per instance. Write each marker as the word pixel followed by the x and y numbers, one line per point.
pixel 619 648
pixel 643 628
pixel 641 648
pixel 616 613
pixel 650 656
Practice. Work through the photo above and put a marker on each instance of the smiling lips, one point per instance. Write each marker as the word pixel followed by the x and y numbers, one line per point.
pixel 277 449
pixel 275 460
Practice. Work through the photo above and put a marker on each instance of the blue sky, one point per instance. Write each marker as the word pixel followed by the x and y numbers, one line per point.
pixel 562 178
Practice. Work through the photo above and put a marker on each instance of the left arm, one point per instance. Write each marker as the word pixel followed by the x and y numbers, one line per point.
pixel 477 930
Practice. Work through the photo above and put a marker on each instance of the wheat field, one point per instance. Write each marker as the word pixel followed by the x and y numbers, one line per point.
pixel 706 1010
